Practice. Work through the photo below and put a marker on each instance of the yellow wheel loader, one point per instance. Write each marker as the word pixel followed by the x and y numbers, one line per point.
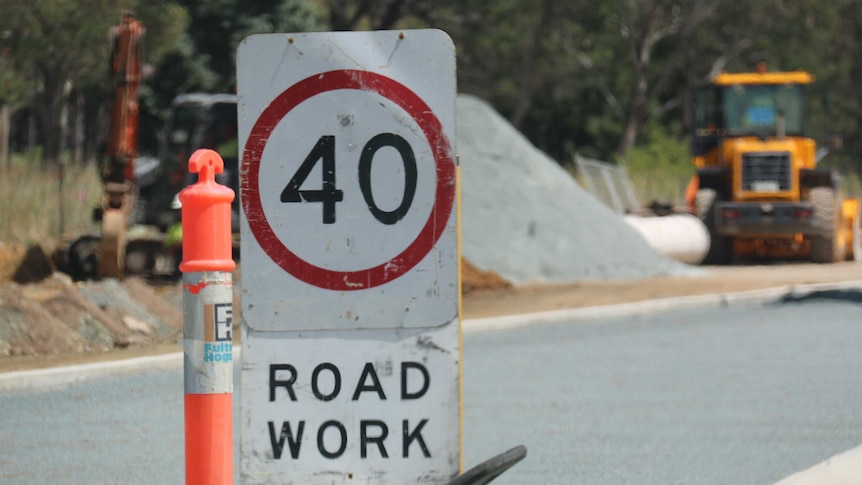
pixel 758 188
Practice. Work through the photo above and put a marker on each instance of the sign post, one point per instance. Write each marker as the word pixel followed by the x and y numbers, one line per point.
pixel 351 299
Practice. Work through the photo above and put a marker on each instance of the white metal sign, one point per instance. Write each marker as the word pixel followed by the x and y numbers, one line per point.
pixel 351 325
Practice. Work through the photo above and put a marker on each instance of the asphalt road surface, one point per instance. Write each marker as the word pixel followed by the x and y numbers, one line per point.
pixel 728 396
pixel 740 395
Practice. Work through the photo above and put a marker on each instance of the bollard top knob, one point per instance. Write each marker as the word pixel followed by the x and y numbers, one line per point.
pixel 206 217
pixel 206 163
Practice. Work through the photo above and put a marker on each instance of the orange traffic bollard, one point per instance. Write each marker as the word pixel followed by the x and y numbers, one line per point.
pixel 207 327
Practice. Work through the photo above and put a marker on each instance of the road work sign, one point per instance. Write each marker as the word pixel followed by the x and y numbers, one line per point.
pixel 351 298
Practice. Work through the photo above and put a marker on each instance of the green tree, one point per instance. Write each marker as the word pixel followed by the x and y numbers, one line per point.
pixel 572 75
pixel 205 57
pixel 13 95
pixel 844 95
pixel 63 47
pixel 832 38
pixel 510 52
pixel 367 14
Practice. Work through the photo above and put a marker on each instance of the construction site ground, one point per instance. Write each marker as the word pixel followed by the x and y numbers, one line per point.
pixel 485 295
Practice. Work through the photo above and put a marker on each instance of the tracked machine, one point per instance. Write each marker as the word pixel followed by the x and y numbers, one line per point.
pixel 758 187
pixel 139 213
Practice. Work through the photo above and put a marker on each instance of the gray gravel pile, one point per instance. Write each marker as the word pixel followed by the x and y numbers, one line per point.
pixel 528 220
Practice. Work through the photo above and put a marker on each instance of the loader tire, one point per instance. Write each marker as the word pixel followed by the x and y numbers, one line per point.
pixel 720 247
pixel 825 244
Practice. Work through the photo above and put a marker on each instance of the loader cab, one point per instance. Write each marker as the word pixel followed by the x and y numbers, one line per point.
pixel 760 104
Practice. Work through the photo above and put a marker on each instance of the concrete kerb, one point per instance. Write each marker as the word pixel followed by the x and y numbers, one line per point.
pixel 60 377
pixel 842 469
pixel 715 300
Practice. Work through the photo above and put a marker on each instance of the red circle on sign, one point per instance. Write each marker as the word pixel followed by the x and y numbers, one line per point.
pixel 444 194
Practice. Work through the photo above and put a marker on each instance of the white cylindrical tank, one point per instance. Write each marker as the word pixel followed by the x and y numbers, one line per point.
pixel 682 237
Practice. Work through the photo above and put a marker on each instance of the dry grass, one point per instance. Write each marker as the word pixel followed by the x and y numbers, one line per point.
pixel 38 206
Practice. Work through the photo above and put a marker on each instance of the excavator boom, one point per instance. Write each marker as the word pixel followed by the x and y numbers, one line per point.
pixel 122 144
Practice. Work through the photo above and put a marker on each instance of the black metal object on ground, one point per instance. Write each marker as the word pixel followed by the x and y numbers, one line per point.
pixel 490 469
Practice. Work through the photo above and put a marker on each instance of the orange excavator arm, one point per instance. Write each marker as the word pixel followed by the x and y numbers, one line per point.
pixel 122 143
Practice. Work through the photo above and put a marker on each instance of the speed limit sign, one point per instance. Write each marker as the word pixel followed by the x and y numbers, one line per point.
pixel 395 185
pixel 348 177
pixel 351 297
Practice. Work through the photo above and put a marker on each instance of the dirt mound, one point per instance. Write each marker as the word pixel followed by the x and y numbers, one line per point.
pixel 44 312
pixel 55 315
pixel 473 278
